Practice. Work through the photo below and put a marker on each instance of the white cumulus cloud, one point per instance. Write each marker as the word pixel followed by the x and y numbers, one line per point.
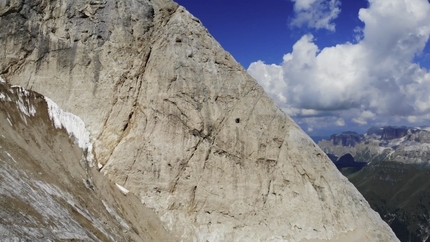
pixel 340 122
pixel 318 14
pixel 359 83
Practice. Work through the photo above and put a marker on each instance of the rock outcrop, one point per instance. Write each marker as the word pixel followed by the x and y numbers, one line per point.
pixel 49 190
pixel 179 123
pixel 346 161
pixel 392 175
pixel 348 138
pixel 390 132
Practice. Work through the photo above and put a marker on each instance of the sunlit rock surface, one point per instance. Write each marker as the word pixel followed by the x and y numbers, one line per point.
pixel 49 190
pixel 177 121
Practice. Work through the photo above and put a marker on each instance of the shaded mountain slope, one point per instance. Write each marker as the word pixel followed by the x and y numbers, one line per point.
pixel 178 122
pixel 48 188
pixel 400 193
pixel 395 180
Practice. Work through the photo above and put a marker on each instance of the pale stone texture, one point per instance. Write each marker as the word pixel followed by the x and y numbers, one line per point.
pixel 177 121
pixel 48 189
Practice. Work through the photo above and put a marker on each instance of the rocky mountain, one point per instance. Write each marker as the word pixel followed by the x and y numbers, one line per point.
pixel 400 194
pixel 49 187
pixel 400 144
pixel 175 120
pixel 348 138
pixel 390 167
pixel 346 160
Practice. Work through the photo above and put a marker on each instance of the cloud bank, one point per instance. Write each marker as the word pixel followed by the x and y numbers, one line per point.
pixel 372 82
pixel 318 14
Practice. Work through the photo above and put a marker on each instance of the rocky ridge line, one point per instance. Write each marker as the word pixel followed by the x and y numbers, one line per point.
pixel 179 123
pixel 399 144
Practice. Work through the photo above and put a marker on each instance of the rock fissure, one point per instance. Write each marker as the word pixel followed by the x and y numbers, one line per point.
pixel 222 152
pixel 179 122
pixel 193 204
pixel 252 110
pixel 229 111
pixel 12 8
pixel 182 166
pixel 266 194
pixel 130 116
pixel 208 153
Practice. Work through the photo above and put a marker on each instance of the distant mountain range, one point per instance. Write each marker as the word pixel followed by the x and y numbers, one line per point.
pixel 390 166
pixel 409 145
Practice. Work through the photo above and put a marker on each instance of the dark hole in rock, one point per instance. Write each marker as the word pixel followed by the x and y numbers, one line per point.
pixel 237 120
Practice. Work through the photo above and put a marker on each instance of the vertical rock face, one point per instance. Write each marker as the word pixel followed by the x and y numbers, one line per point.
pixel 390 132
pixel 48 189
pixel 178 122
pixel 346 138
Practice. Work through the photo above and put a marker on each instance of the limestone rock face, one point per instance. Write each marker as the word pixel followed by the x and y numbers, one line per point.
pixel 178 122
pixel 48 189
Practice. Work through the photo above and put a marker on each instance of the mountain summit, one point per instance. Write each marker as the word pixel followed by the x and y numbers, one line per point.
pixel 409 145
pixel 175 120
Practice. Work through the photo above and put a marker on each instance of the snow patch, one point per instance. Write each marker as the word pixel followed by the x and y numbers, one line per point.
pixel 4 97
pixel 73 125
pixel 395 142
pixel 43 198
pixel 10 156
pixel 121 221
pixel 418 147
pixel 2 80
pixel 122 189
pixel 24 104
pixel 381 149
pixel 10 123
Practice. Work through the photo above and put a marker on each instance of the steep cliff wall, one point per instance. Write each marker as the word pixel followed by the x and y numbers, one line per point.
pixel 178 122
pixel 48 189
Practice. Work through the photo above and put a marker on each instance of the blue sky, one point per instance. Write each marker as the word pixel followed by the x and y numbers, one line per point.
pixel 332 65
pixel 255 30
pixel 250 31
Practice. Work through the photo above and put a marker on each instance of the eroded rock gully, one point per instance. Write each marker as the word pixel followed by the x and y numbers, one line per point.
pixel 178 122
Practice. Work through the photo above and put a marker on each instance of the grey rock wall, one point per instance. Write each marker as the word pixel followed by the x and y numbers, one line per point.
pixel 177 121
pixel 48 189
